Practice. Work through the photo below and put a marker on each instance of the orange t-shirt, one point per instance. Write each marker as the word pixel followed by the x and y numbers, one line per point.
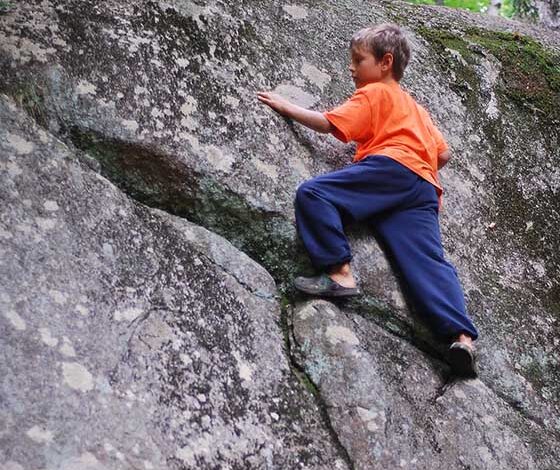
pixel 385 120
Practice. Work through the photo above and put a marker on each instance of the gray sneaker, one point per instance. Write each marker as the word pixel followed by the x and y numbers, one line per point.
pixel 324 286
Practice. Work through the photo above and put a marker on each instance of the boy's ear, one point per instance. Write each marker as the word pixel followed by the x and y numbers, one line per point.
pixel 387 61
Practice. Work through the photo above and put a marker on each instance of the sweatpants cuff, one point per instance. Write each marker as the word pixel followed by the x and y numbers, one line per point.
pixel 450 337
pixel 324 263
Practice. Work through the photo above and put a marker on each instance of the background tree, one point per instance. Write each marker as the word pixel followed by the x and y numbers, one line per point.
pixel 545 12
pixel 549 13
pixel 495 7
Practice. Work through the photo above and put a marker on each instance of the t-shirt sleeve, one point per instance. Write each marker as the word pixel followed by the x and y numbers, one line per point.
pixel 441 144
pixel 352 119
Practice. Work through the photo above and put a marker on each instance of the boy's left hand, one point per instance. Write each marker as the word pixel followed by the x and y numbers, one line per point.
pixel 312 119
pixel 276 102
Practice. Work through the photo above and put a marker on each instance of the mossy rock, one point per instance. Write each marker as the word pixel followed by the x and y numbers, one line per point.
pixel 530 73
pixel 30 97
pixel 5 7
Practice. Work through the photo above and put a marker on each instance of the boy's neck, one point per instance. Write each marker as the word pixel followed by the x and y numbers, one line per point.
pixel 388 81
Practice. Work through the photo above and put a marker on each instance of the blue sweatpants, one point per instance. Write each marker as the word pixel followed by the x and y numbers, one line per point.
pixel 403 210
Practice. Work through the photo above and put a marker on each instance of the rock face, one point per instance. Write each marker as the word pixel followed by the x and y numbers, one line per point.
pixel 382 394
pixel 134 338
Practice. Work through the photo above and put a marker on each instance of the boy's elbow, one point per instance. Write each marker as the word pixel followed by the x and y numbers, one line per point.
pixel 322 124
pixel 327 127
pixel 443 158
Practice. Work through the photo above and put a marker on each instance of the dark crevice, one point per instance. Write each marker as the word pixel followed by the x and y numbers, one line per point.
pixel 518 407
pixel 156 180
pixel 168 183
pixel 446 386
pixel 307 382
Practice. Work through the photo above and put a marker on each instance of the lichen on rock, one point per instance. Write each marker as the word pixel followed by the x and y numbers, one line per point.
pixel 127 123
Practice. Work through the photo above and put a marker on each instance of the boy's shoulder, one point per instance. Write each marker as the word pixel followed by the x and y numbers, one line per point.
pixel 383 96
pixel 388 95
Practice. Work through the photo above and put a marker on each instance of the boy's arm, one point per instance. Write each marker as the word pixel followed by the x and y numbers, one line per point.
pixel 312 119
pixel 443 158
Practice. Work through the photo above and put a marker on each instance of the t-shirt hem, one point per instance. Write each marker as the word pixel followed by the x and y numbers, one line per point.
pixel 404 163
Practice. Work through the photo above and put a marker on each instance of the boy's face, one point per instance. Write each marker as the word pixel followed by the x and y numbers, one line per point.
pixel 365 68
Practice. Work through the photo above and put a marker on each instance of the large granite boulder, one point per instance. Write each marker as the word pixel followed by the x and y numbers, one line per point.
pixel 159 98
pixel 131 338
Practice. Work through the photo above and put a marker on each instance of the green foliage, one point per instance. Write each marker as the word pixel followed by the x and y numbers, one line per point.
pixel 519 8
pixel 524 8
pixel 473 5
pixel 5 7
pixel 29 96
pixel 510 8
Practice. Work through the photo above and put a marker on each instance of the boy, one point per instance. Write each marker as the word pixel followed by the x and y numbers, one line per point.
pixel 392 183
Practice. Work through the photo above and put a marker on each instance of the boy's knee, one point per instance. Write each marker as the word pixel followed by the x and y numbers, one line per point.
pixel 305 190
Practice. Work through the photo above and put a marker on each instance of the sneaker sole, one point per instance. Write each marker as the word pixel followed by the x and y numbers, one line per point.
pixel 333 293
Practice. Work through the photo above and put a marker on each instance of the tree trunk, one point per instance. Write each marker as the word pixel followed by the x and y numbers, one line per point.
pixel 549 13
pixel 494 7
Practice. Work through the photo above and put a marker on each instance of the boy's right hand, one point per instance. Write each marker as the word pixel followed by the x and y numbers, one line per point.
pixel 276 102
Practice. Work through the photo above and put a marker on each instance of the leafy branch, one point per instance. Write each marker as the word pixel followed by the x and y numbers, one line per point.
pixel 5 7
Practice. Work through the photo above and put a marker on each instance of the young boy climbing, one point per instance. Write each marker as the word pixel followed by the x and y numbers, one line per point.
pixel 392 184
